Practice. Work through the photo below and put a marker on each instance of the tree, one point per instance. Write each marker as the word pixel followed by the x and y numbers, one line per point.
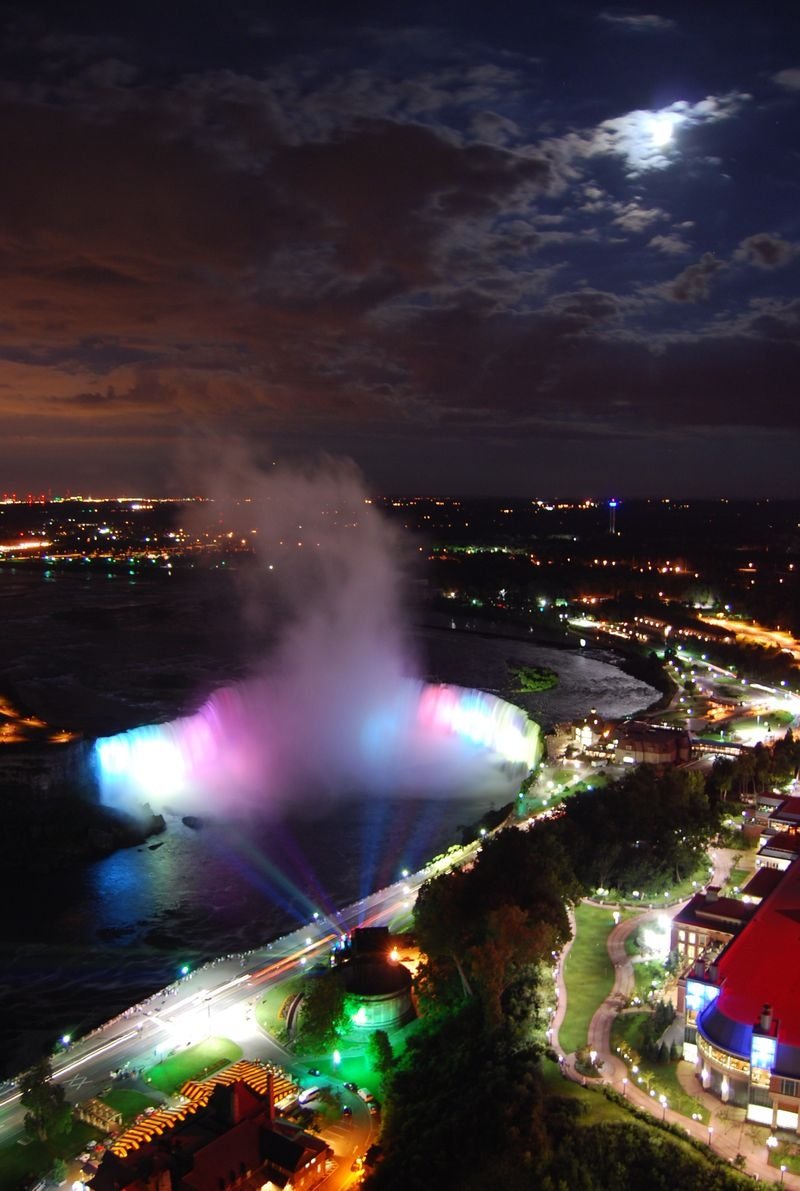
pixel 380 1051
pixel 322 1013
pixel 48 1111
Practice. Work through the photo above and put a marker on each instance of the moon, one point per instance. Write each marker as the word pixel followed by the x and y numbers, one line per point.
pixel 662 128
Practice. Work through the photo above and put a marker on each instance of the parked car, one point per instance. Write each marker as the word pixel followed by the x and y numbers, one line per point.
pixel 351 1087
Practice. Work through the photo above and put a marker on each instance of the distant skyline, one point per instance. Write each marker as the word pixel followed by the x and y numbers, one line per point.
pixel 482 250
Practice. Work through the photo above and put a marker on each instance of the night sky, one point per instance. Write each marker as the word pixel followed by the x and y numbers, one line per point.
pixel 540 248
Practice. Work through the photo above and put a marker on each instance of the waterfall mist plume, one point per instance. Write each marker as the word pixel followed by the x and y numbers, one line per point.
pixel 337 706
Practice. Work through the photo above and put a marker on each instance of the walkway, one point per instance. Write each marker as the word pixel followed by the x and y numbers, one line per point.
pixel 727 1132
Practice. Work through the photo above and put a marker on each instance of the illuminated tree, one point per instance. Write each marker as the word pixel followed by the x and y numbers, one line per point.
pixel 48 1111
pixel 322 1014
pixel 380 1051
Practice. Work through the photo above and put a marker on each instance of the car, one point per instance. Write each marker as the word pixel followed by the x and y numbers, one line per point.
pixel 365 1094
pixel 347 1111
pixel 374 1108
pixel 351 1087
pixel 308 1094
pixel 314 1071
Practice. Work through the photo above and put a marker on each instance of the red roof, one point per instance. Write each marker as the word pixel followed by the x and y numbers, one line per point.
pixel 788 809
pixel 763 882
pixel 762 964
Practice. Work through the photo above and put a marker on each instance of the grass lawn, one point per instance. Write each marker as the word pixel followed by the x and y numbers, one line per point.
pixel 588 974
pixel 644 974
pixel 402 922
pixel 739 877
pixel 129 1102
pixel 195 1062
pixel 599 1109
pixel 18 1162
pixel 785 1155
pixel 626 1033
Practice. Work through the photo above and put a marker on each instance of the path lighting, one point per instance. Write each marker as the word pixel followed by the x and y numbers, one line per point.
pixel 625 1088
pixel 783 1171
pixel 710 1131
pixel 593 1057
pixel 184 969
pixel 337 1058
pixel 663 1102
pixel 405 873
pixel 66 1039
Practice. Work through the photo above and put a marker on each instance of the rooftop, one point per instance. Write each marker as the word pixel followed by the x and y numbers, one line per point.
pixel 761 966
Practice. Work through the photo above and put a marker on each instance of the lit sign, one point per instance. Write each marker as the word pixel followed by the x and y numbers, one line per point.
pixel 762 1051
pixel 699 995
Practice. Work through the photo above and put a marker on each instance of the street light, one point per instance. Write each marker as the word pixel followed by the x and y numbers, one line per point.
pixel 625 1088
pixel 663 1102
pixel 710 1131
pixel 783 1171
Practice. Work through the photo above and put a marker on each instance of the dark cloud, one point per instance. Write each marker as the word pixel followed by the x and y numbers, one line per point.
pixel 789 78
pixel 692 285
pixel 367 236
pixel 644 22
pixel 765 251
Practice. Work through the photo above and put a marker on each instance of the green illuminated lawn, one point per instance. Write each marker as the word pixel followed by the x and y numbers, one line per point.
pixel 129 1102
pixel 196 1062
pixel 588 974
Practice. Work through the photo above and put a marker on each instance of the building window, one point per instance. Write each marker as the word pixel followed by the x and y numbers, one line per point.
pixel 789 1087
pixel 682 935
pixel 692 937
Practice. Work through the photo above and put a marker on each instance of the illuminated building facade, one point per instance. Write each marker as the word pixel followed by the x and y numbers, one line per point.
pixel 742 1014
pixel 228 1138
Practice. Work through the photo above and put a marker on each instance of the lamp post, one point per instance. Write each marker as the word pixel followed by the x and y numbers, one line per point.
pixel 783 1171
pixel 663 1102
pixel 710 1131
pixel 625 1088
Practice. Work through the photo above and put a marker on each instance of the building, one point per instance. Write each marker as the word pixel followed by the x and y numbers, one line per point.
pixel 227 1138
pixel 376 981
pixel 706 924
pixel 640 743
pixel 742 1010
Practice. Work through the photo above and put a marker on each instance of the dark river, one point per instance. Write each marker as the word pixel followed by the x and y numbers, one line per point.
pixel 104 653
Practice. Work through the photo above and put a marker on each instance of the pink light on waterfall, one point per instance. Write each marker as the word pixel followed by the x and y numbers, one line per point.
pixel 243 747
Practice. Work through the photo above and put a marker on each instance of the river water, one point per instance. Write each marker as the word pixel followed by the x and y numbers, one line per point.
pixel 104 654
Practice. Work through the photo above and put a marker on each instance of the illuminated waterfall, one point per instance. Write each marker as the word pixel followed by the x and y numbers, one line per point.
pixel 245 742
